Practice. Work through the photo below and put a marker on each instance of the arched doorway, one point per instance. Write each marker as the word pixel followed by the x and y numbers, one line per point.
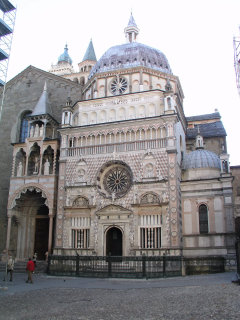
pixel 114 242
pixel 41 232
pixel 30 233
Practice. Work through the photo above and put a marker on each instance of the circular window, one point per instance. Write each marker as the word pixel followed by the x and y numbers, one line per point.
pixel 118 85
pixel 114 178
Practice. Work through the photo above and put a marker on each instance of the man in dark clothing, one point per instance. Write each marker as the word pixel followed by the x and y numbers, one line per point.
pixel 30 268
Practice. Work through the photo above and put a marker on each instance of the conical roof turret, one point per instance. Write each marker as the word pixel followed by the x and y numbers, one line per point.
pixel 131 22
pixel 43 106
pixel 90 53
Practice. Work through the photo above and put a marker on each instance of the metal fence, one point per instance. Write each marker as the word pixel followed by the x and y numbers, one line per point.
pixel 237 244
pixel 116 267
pixel 133 267
pixel 198 265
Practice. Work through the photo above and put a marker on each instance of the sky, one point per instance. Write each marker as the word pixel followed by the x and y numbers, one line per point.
pixel 196 37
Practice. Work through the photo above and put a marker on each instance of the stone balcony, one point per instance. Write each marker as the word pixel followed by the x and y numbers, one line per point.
pixel 114 148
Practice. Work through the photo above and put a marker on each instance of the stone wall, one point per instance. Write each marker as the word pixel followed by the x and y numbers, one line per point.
pixel 22 94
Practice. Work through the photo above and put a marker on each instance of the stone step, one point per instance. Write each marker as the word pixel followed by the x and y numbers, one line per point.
pixel 20 266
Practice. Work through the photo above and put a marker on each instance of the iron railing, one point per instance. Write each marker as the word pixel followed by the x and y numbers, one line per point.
pixel 117 267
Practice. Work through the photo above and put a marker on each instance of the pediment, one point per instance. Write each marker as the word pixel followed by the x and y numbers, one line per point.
pixel 113 209
pixel 44 74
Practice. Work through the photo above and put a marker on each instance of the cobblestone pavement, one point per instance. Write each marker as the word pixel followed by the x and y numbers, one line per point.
pixel 55 298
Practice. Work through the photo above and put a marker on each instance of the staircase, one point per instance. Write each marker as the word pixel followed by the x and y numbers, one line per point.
pixel 20 266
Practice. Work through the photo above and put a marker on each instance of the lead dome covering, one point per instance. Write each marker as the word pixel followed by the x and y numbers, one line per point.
pixel 130 55
pixel 201 159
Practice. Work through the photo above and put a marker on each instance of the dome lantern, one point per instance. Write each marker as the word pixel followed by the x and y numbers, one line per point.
pixel 63 58
pixel 199 141
pixel 131 31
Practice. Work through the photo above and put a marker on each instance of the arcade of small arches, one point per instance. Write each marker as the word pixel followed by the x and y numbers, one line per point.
pixel 118 136
pixel 37 129
pixel 38 161
pixel 120 113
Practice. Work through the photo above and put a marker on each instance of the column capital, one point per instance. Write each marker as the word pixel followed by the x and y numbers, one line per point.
pixel 9 213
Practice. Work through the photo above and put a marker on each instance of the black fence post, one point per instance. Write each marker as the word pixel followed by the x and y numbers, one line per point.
pixel 109 266
pixel 143 266
pixel 48 263
pixel 77 265
pixel 238 256
pixel 164 265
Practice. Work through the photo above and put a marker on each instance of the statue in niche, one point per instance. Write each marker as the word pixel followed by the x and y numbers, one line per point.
pixel 36 165
pixel 41 131
pixel 149 170
pixel 36 131
pixel 19 169
pixel 81 174
pixel 46 168
pixel 113 196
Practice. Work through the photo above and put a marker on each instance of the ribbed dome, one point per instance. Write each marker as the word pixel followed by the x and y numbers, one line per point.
pixel 201 159
pixel 130 55
pixel 65 56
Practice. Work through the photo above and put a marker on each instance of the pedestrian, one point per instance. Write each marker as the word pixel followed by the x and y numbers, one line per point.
pixel 10 267
pixel 30 268
pixel 35 260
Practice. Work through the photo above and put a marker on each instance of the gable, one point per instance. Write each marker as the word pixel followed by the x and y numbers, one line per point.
pixel 113 210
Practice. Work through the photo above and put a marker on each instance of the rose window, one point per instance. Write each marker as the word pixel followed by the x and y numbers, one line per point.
pixel 115 179
pixel 118 85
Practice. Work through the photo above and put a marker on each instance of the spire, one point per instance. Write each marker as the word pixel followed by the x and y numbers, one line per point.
pixel 65 56
pixel 43 105
pixel 90 53
pixel 131 22
pixel 131 31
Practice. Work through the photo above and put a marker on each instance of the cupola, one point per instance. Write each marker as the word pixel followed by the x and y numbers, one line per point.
pixel 131 31
pixel 64 57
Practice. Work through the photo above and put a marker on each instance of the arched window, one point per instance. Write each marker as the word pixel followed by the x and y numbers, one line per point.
pixel 203 218
pixel 24 127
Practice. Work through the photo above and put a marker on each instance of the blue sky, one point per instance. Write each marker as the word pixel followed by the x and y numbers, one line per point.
pixel 196 36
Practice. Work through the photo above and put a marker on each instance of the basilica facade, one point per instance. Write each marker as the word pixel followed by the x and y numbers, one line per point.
pixel 105 162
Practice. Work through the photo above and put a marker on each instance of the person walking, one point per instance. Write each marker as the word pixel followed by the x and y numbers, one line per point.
pixel 30 268
pixel 10 267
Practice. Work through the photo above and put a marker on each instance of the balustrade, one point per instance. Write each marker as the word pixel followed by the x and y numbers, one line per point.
pixel 116 147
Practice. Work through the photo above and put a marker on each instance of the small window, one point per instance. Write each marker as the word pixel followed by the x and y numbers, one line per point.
pixel 203 219
pixel 24 127
pixel 80 238
pixel 150 238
